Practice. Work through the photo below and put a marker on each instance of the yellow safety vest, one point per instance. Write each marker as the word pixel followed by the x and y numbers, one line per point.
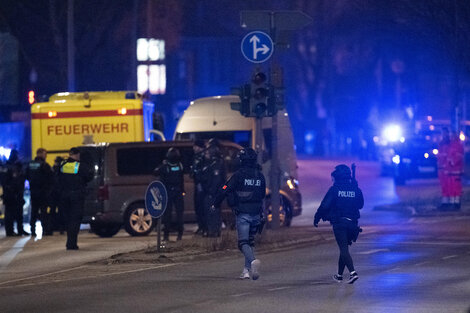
pixel 70 168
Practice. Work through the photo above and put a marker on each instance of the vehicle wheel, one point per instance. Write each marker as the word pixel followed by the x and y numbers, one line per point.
pixel 137 220
pixel 105 230
pixel 285 213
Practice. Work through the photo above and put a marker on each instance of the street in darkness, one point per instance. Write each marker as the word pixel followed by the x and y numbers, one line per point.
pixel 405 263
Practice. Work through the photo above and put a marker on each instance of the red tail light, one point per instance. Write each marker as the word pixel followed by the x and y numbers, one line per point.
pixel 103 193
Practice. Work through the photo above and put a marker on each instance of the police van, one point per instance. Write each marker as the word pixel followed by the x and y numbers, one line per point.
pixel 212 117
pixel 70 119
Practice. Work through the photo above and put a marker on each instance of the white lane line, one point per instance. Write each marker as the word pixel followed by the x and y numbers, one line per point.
pixel 450 257
pixel 373 251
pixel 241 294
pixel 422 263
pixel 10 255
pixel 279 288
pixel 83 277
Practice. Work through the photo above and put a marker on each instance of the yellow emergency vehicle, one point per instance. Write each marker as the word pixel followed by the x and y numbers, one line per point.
pixel 71 119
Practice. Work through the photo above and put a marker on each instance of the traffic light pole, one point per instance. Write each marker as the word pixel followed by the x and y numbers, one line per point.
pixel 275 199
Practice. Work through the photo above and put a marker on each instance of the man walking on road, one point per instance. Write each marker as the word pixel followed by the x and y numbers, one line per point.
pixel 341 206
pixel 245 192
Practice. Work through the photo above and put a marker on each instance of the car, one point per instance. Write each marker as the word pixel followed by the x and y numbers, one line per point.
pixel 122 172
pixel 414 158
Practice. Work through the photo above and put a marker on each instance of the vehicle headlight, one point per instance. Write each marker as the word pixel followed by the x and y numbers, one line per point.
pixel 396 159
pixel 393 133
pixel 435 151
pixel 292 183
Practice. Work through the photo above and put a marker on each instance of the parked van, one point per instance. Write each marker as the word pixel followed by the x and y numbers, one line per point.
pixel 122 172
pixel 213 117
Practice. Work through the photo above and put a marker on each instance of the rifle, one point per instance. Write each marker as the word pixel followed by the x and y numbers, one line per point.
pixel 353 170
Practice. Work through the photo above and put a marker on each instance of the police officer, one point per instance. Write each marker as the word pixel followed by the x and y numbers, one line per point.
pixel 245 192
pixel 73 177
pixel 341 206
pixel 171 174
pixel 196 171
pixel 39 175
pixel 212 179
pixel 13 190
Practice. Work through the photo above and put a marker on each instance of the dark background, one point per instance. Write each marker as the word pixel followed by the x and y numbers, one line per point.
pixel 359 64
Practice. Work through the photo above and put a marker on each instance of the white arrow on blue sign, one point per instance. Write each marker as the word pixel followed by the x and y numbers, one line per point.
pixel 156 199
pixel 257 47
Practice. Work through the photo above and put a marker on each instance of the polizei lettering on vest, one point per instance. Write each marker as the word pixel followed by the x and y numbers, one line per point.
pixel 252 182
pixel 79 129
pixel 346 194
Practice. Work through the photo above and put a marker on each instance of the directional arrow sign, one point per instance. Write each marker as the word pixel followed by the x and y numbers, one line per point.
pixel 257 47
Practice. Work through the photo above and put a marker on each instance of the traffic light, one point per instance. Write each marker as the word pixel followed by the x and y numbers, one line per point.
pixel 244 92
pixel 31 97
pixel 260 93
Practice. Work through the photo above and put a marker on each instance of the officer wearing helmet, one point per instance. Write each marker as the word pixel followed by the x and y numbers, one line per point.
pixel 340 207
pixel 171 174
pixel 245 192
pixel 212 179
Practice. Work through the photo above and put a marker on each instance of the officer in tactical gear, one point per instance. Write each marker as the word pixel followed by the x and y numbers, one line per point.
pixel 212 179
pixel 196 171
pixel 73 177
pixel 171 174
pixel 245 192
pixel 13 199
pixel 340 207
pixel 39 174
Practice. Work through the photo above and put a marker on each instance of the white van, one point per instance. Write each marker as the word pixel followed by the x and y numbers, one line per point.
pixel 212 117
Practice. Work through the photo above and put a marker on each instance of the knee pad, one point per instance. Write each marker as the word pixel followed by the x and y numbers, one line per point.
pixel 252 241
pixel 241 243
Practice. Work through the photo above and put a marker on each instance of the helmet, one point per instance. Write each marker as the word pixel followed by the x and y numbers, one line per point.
pixel 341 172
pixel 247 156
pixel 212 142
pixel 173 155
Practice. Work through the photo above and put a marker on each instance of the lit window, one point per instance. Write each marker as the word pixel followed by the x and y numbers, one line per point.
pixel 151 79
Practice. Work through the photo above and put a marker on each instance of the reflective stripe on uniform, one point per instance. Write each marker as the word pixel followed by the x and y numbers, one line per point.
pixel 70 168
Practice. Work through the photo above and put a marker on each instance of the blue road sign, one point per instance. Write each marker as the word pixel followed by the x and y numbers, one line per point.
pixel 156 199
pixel 257 47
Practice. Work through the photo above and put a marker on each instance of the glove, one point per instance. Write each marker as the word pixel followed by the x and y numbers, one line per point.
pixel 316 220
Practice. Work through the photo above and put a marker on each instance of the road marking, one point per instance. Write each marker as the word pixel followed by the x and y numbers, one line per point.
pixel 450 257
pixel 422 263
pixel 79 278
pixel 279 288
pixel 241 294
pixel 8 256
pixel 373 251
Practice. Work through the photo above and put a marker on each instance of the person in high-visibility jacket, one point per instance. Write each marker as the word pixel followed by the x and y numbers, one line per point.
pixel 442 168
pixel 455 160
pixel 73 177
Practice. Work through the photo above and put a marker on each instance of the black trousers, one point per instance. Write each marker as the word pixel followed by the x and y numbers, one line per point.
pixel 13 212
pixel 72 204
pixel 199 209
pixel 342 235
pixel 212 218
pixel 38 211
pixel 175 200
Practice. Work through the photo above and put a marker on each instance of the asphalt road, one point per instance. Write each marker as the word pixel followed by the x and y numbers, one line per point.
pixel 406 264
pixel 418 266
